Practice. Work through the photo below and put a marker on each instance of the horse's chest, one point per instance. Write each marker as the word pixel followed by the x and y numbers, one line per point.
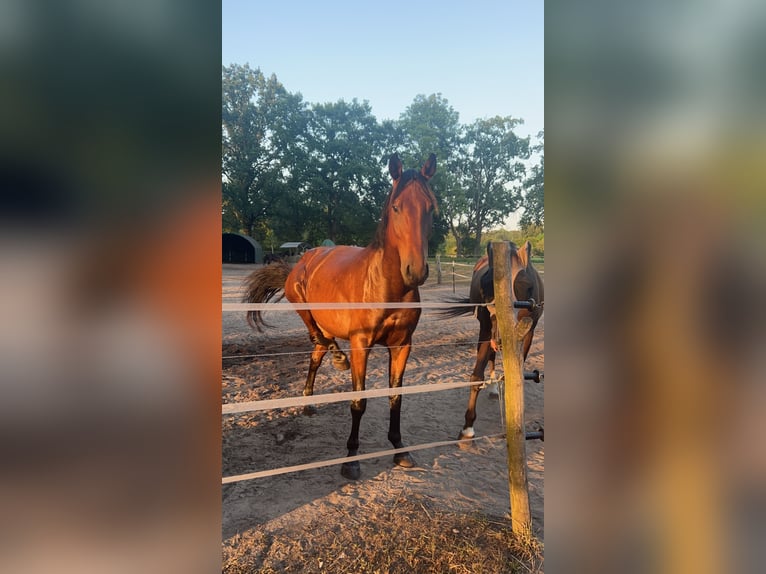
pixel 398 324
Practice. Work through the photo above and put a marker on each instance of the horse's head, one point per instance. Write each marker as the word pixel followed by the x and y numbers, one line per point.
pixel 408 217
pixel 524 280
pixel 523 277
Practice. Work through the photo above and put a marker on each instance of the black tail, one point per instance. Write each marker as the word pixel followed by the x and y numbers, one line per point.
pixel 456 311
pixel 262 286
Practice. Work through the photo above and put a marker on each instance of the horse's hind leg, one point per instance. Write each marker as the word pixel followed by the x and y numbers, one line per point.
pixel 470 414
pixel 484 354
pixel 339 359
pixel 308 389
pixel 492 386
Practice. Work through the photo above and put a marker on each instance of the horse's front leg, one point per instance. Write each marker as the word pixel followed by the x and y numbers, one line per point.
pixel 397 361
pixel 359 354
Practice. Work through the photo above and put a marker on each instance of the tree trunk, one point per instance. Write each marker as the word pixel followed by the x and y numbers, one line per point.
pixel 512 333
pixel 477 250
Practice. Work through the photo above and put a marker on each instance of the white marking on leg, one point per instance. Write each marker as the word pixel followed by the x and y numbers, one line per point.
pixel 468 433
pixel 493 390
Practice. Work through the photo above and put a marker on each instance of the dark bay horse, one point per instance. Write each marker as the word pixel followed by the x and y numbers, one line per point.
pixel 390 269
pixel 527 284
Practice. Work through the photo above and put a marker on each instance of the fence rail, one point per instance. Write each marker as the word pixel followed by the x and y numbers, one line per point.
pixel 289 402
pixel 344 459
pixel 285 306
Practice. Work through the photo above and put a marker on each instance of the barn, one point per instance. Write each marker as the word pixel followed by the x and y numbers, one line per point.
pixel 238 248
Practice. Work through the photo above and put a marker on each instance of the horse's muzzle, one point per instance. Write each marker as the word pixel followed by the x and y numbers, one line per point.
pixel 414 278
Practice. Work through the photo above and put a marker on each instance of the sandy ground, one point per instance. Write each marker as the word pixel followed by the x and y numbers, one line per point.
pixel 458 480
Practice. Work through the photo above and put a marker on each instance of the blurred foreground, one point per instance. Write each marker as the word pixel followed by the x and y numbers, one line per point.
pixel 110 289
pixel 656 270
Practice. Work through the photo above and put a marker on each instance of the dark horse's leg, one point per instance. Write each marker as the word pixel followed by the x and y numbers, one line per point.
pixel 397 361
pixel 492 387
pixel 359 354
pixel 483 354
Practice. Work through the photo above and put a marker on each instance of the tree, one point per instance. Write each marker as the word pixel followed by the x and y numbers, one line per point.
pixel 262 130
pixel 534 195
pixel 294 172
pixel 341 176
pixel 431 125
pixel 491 166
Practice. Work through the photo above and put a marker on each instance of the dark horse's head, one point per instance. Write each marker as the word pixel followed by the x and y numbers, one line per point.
pixel 524 279
pixel 405 224
pixel 523 276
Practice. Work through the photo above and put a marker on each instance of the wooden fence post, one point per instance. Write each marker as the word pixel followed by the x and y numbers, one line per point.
pixel 512 333
pixel 438 270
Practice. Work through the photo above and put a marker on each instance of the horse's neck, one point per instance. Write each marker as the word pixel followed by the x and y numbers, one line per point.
pixel 384 277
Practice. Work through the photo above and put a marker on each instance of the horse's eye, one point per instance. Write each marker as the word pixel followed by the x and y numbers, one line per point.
pixel 395 208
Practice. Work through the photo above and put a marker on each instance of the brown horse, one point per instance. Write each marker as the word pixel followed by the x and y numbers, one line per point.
pixel 390 269
pixel 527 284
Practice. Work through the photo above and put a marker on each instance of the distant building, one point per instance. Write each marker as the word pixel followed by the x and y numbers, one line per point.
pixel 294 250
pixel 238 248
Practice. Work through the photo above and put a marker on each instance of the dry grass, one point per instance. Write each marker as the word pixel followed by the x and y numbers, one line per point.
pixel 405 535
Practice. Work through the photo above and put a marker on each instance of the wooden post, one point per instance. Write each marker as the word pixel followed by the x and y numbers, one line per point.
pixel 453 274
pixel 438 270
pixel 512 333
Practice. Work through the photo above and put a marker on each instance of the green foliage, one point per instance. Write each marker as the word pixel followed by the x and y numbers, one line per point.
pixel 262 125
pixel 534 195
pixel 341 180
pixel 536 236
pixel 490 167
pixel 293 171
pixel 431 125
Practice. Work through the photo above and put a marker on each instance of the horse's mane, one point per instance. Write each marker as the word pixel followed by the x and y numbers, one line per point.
pixel 406 178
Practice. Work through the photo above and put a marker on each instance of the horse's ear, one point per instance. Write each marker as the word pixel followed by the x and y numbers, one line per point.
pixel 429 168
pixel 395 166
pixel 525 253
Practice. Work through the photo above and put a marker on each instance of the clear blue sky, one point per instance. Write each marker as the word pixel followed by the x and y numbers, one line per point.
pixel 484 56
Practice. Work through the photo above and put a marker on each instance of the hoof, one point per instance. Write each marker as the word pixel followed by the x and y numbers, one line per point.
pixel 493 391
pixel 351 470
pixel 465 442
pixel 341 363
pixel 309 410
pixel 404 460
